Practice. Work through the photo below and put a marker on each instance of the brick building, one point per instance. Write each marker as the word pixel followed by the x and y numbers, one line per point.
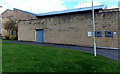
pixel 73 27
pixel 6 15
pixel 15 15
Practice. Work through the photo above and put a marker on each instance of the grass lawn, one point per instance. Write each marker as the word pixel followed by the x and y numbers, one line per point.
pixel 32 58
pixel 7 40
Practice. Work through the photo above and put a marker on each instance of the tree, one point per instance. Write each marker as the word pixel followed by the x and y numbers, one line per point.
pixel 11 27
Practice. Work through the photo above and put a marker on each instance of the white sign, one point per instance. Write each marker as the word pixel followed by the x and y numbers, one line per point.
pixel 114 33
pixel 89 34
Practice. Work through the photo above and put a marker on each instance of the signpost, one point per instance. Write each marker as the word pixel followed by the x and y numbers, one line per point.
pixel 119 5
pixel 119 27
pixel 93 21
pixel 0 43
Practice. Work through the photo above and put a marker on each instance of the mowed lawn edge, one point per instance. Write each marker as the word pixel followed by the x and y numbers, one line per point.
pixel 33 58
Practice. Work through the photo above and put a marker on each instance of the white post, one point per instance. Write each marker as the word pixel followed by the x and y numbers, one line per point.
pixel 119 5
pixel 93 21
pixel 0 42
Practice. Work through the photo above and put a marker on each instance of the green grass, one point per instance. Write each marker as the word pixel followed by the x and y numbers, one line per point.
pixel 32 58
pixel 0 56
pixel 7 40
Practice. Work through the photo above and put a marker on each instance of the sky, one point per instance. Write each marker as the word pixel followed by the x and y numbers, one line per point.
pixel 42 6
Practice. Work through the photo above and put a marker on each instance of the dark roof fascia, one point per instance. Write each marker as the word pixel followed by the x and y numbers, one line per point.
pixel 25 11
pixel 27 19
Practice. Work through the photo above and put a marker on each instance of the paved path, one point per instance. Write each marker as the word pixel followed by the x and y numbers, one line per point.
pixel 110 53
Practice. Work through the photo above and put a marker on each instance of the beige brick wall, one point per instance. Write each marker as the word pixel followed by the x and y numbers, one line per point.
pixel 72 29
pixel 4 31
pixel 5 18
pixel 19 15
pixel 7 14
pixel 27 32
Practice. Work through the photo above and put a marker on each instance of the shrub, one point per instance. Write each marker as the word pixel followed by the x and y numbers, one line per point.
pixel 6 37
pixel 13 37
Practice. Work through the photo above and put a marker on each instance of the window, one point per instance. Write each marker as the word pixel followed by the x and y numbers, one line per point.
pixel 108 33
pixel 98 33
pixel 89 34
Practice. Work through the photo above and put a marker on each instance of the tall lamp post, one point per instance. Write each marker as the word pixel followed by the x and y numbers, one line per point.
pixel 119 5
pixel 0 23
pixel 1 44
pixel 93 22
pixel 118 26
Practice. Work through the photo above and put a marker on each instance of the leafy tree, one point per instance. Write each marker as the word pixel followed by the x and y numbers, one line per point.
pixel 11 26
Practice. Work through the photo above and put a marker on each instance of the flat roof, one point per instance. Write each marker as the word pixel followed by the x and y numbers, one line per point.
pixel 65 11
pixel 72 10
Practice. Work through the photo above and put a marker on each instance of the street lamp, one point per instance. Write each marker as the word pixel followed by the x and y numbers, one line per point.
pixel 93 22
pixel 0 23
pixel 1 43
pixel 119 5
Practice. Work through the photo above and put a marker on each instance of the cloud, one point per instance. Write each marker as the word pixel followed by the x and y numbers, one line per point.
pixel 112 7
pixel 86 4
pixel 35 6
pixel 4 7
pixel 90 0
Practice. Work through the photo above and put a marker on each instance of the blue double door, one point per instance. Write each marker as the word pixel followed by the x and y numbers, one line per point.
pixel 40 35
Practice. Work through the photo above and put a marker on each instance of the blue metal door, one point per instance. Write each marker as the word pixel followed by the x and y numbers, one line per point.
pixel 40 35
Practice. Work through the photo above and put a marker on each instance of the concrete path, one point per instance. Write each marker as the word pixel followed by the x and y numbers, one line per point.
pixel 113 54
